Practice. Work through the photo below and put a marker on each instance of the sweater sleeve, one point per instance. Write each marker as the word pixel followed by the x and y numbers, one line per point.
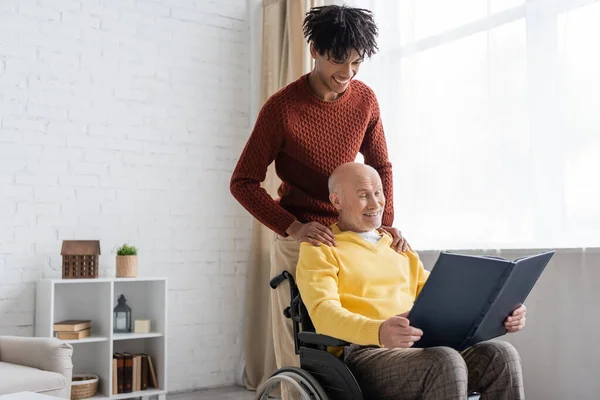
pixel 417 270
pixel 262 148
pixel 374 150
pixel 316 277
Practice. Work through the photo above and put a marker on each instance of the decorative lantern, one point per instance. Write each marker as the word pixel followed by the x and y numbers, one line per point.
pixel 122 316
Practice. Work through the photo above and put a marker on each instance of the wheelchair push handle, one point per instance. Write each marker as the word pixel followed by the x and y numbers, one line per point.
pixel 280 278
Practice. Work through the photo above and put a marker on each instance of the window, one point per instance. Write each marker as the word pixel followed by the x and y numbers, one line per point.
pixel 490 111
pixel 579 64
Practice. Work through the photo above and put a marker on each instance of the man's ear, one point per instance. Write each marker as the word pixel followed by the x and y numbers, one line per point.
pixel 334 198
pixel 314 54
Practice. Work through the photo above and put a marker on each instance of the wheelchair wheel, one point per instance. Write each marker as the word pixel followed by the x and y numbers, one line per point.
pixel 304 385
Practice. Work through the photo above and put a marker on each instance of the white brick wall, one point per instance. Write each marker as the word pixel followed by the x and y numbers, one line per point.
pixel 122 121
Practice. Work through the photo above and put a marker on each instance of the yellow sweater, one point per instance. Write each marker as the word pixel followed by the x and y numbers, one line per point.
pixel 350 289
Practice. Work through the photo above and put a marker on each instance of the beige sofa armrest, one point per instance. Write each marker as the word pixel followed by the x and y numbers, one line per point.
pixel 48 354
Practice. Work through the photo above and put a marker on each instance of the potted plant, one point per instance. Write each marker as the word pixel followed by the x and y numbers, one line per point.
pixel 127 261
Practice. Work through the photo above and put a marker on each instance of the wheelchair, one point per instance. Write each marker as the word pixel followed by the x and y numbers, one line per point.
pixel 322 375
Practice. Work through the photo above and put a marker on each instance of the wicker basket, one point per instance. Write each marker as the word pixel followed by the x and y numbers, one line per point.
pixel 84 386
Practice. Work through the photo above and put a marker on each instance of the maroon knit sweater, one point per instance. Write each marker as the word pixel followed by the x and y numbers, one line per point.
pixel 308 138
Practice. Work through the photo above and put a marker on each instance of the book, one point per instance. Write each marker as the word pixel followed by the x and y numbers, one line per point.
pixel 73 335
pixel 115 375
pixel 145 370
pixel 152 374
pixel 138 372
pixel 134 374
pixel 127 373
pixel 131 370
pixel 466 299
pixel 72 325
pixel 120 373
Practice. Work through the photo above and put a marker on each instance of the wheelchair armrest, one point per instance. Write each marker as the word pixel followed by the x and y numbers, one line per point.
pixel 315 338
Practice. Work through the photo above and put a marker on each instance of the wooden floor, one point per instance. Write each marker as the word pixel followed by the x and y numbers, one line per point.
pixel 229 393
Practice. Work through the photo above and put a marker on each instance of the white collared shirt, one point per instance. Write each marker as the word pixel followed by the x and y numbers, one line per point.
pixel 370 236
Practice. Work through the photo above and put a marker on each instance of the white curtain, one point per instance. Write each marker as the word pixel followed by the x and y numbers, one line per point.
pixel 492 114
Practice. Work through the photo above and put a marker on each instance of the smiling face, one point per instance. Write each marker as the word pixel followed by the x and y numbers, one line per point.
pixel 357 194
pixel 340 37
pixel 333 76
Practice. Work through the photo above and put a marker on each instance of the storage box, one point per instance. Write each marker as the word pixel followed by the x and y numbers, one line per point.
pixel 142 326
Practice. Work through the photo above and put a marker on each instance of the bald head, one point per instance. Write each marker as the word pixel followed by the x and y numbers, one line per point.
pixel 356 191
pixel 351 172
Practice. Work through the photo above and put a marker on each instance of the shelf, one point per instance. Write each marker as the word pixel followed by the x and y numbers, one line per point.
pixel 140 393
pixel 99 396
pixel 89 339
pixel 104 280
pixel 129 336
pixel 95 300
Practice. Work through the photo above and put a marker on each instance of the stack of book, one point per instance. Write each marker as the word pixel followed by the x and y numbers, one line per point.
pixel 72 329
pixel 133 373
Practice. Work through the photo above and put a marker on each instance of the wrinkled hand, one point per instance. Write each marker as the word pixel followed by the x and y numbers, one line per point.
pixel 516 321
pixel 396 332
pixel 311 232
pixel 399 243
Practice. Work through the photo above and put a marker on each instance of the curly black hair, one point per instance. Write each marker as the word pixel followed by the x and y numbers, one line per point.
pixel 335 30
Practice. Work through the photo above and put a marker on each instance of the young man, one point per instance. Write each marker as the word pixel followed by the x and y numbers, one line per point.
pixel 310 127
pixel 360 292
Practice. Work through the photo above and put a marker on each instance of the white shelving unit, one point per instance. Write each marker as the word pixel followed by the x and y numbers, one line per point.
pixel 95 299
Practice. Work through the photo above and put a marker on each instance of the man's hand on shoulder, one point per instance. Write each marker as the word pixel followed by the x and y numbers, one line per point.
pixel 399 243
pixel 311 232
pixel 516 321
pixel 396 332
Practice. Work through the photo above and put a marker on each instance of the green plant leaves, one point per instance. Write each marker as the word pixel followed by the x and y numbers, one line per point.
pixel 127 250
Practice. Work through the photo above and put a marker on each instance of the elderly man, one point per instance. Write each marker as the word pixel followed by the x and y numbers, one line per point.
pixel 361 290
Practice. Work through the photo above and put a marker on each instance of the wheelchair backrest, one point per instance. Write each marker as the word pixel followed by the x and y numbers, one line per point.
pixel 306 322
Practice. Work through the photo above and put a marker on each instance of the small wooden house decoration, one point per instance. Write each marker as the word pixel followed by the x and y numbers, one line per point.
pixel 80 259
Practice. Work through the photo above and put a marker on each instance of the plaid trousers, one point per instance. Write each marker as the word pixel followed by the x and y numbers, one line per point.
pixel 492 368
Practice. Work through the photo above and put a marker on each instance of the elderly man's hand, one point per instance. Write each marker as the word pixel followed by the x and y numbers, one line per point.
pixel 399 243
pixel 396 332
pixel 516 321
